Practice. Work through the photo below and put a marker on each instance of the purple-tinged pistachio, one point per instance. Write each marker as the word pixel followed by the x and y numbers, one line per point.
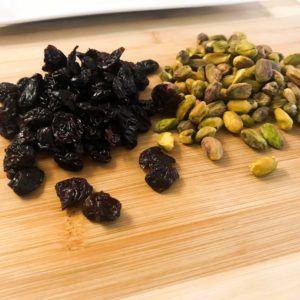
pixel 184 125
pixel 261 114
pixel 183 56
pixel 239 91
pixel 224 68
pixel 263 70
pixel 212 148
pixel 270 88
pixel 216 109
pixel 212 73
pixel 202 37
pixel 212 92
pixel 262 99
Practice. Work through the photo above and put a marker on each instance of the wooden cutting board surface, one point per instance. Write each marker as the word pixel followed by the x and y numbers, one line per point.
pixel 218 233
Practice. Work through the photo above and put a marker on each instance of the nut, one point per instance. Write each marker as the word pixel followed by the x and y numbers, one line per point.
pixel 212 92
pixel 239 106
pixel 220 46
pixel 199 112
pixel 290 109
pixel 263 70
pixel 293 75
pixel 272 135
pixel 293 59
pixel 227 80
pixel 183 56
pixel 261 114
pixel 224 68
pixel 202 37
pixel 246 49
pixel 241 62
pixel 166 125
pixel 198 88
pixel 184 125
pixel 254 139
pixel 270 88
pixel 216 58
pixel 263 51
pixel 278 102
pixel 247 120
pixel 243 74
pixel 189 83
pixel 215 122
pixel 165 140
pixel 204 132
pixel 181 86
pixel 262 99
pixel 284 121
pixel 263 165
pixel 216 109
pixel 185 106
pixel 279 78
pixel 232 122
pixel 289 95
pixel 217 37
pixel 256 86
pixel 212 148
pixel 182 73
pixel 212 73
pixel 239 91
pixel 186 136
pixel 165 76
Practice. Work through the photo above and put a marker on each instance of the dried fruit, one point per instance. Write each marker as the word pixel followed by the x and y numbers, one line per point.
pixel 166 141
pixel 187 136
pixel 73 191
pixel 272 135
pixel 212 148
pixel 254 139
pixel 162 178
pixel 232 122
pixel 263 166
pixel 101 207
pixel 166 125
pixel 284 121
pixel 204 132
pixel 153 158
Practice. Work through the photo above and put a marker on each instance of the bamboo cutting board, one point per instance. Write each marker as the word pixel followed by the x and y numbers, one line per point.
pixel 218 233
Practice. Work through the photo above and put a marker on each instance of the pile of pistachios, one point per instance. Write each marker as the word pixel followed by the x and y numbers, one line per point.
pixel 231 83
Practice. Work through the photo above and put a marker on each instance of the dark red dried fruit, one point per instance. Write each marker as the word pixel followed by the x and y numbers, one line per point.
pixel 149 66
pixel 45 139
pixel 162 178
pixel 26 180
pixel 166 98
pixel 73 191
pixel 154 157
pixel 101 207
pixel 67 128
pixel 69 161
pixel 54 59
pixel 38 116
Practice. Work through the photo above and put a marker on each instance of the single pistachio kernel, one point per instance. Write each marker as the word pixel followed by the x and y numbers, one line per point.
pixel 278 102
pixel 184 125
pixel 232 122
pixel 182 73
pixel 212 73
pixel 212 92
pixel 291 109
pixel 279 78
pixel 246 49
pixel 247 120
pixel 165 76
pixel 196 63
pixel 241 62
pixel 204 132
pixel 263 166
pixel 276 56
pixel 243 74
pixel 263 51
pixel 220 46
pixel 224 68
pixel 289 95
pixel 262 99
pixel 165 140
pixel 165 125
pixel 284 121
pixel 195 75
pixel 253 103
pixel 185 106
pixel 186 137
pixel 217 37
pixel 183 56
pixel 293 74
pixel 270 88
pixel 216 58
pixel 293 59
pixel 254 139
pixel 239 106
pixel 263 70
pixel 199 112
pixel 189 83
pixel 261 114
pixel 227 80
pixel 215 122
pixel 216 109
pixel 256 86
pixel 239 91
pixel 272 135
pixel 201 73
pixel 198 88
pixel 181 86
pixel 201 37
pixel 212 148
pixel 176 66
pixel 296 91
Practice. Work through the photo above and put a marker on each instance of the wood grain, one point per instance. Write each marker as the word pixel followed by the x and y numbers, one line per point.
pixel 219 233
